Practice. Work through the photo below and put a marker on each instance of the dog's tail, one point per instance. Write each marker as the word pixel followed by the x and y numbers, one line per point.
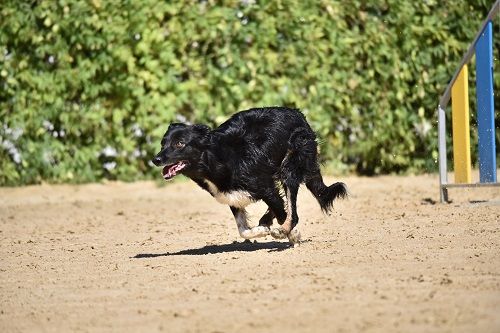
pixel 326 194
pixel 303 154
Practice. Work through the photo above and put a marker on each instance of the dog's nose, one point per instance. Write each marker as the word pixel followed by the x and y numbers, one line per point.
pixel 156 161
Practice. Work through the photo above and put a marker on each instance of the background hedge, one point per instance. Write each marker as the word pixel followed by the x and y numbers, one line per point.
pixel 87 88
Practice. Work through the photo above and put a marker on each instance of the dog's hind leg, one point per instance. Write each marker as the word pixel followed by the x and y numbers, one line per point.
pixel 244 229
pixel 299 158
pixel 287 228
pixel 291 182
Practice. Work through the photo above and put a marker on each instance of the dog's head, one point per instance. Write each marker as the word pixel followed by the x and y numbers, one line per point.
pixel 181 148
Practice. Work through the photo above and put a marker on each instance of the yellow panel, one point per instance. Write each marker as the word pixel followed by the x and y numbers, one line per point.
pixel 461 131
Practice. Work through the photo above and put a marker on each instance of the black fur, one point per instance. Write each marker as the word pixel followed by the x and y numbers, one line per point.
pixel 253 151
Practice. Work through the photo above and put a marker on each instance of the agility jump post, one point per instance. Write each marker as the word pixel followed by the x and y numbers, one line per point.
pixel 458 91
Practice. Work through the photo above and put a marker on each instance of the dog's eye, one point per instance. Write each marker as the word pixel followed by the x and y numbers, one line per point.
pixel 179 144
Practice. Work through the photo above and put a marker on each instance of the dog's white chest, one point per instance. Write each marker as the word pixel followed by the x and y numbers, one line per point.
pixel 239 199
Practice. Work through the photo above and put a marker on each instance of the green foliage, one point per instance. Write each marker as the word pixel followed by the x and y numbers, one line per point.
pixel 87 88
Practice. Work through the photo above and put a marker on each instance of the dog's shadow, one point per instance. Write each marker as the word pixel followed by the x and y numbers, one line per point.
pixel 223 248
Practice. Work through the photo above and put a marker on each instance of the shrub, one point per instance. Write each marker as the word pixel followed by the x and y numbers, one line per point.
pixel 87 88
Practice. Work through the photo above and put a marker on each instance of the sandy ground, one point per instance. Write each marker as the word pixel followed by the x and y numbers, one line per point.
pixel 143 258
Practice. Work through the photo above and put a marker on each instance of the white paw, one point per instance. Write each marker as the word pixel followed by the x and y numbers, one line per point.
pixel 255 232
pixel 278 233
pixel 294 237
pixel 262 231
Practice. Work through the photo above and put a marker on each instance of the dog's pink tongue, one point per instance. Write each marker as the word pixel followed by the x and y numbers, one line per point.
pixel 170 171
pixel 166 172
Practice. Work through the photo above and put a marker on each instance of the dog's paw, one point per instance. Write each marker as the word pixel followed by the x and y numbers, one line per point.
pixel 263 230
pixel 279 233
pixel 294 237
pixel 255 232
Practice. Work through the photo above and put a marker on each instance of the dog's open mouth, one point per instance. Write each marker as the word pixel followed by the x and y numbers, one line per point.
pixel 169 171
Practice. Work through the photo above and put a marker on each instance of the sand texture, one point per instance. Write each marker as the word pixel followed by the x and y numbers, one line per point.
pixel 143 258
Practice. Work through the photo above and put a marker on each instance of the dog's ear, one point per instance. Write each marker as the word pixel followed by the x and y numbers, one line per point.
pixel 201 129
pixel 203 133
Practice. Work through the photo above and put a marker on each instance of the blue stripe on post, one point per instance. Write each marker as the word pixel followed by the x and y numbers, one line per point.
pixel 485 106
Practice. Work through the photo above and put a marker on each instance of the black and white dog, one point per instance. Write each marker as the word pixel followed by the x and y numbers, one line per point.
pixel 258 154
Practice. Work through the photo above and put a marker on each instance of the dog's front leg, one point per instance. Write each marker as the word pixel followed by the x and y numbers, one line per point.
pixel 267 219
pixel 240 215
